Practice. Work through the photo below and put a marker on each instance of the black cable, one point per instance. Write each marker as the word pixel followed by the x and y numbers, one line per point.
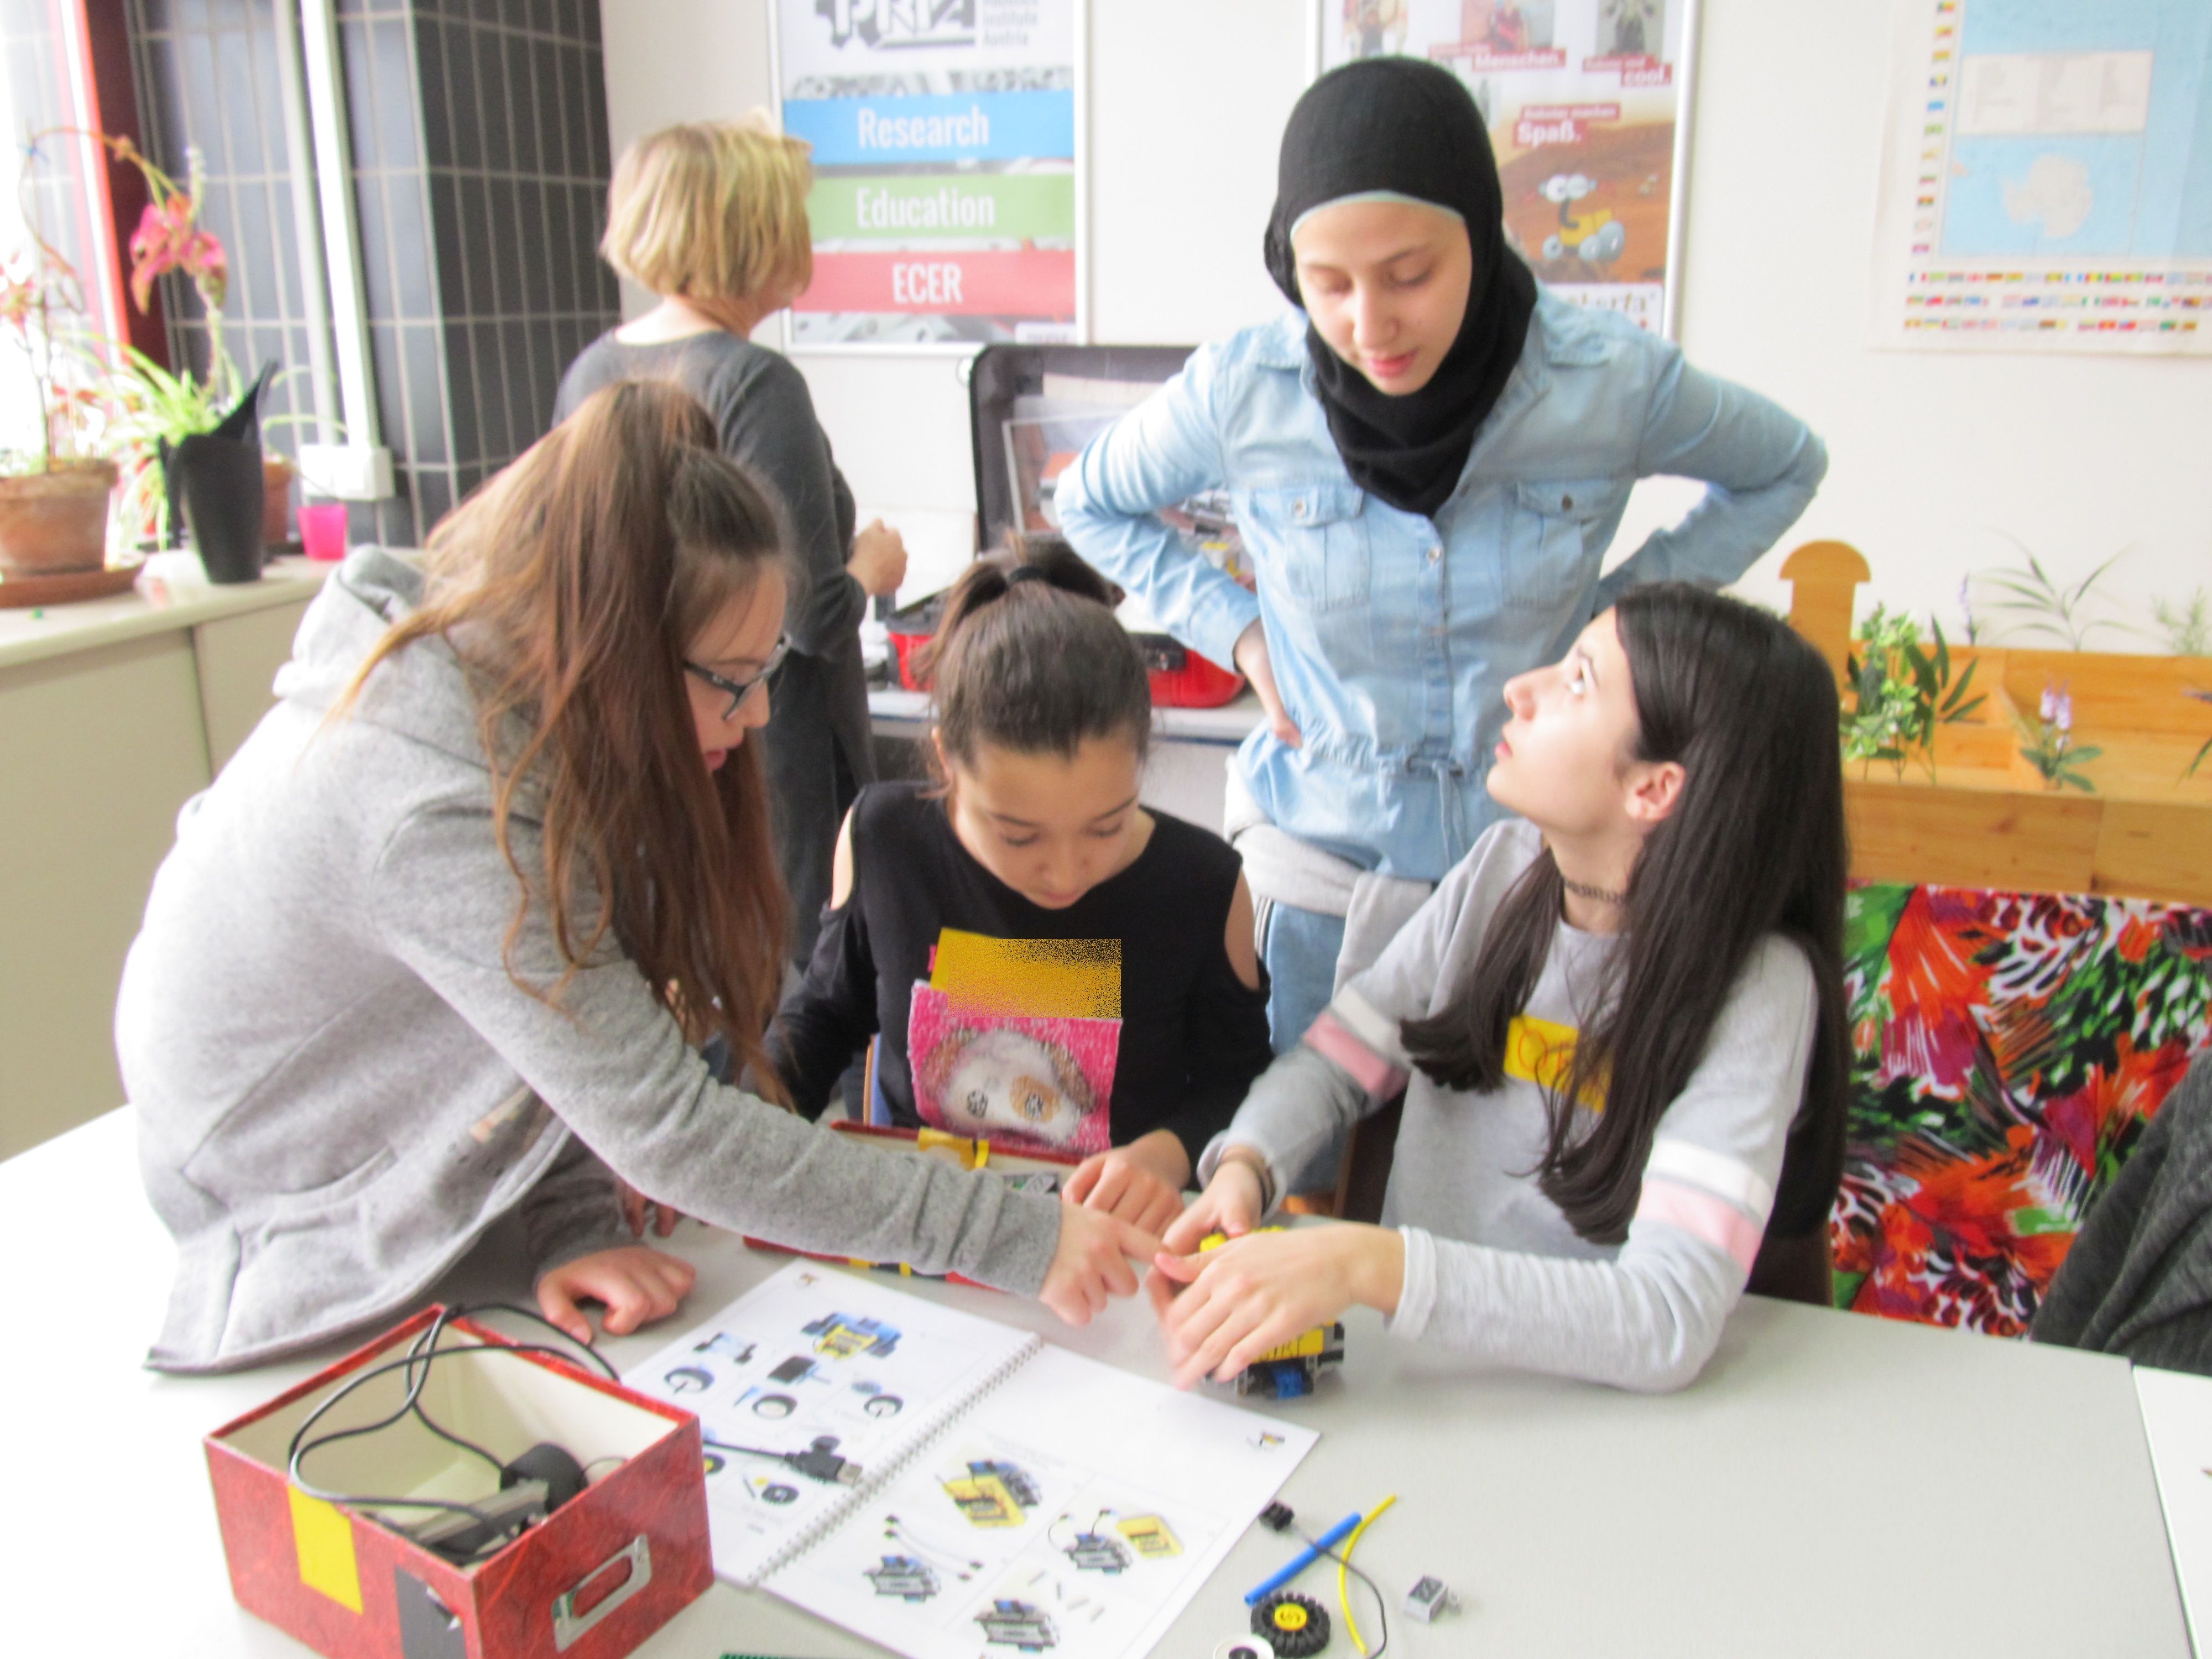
pixel 816 1462
pixel 422 1354
pixel 1381 1619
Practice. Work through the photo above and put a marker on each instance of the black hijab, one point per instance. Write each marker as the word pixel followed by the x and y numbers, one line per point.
pixel 1408 127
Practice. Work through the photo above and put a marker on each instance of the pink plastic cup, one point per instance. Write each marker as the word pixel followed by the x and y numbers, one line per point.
pixel 323 529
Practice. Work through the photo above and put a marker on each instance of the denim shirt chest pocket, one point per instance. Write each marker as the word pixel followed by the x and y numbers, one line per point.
pixel 1553 550
pixel 1312 544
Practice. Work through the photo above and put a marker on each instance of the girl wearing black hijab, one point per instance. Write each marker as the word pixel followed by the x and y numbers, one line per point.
pixel 1427 461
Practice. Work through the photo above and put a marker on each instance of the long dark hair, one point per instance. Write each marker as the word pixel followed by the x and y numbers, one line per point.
pixel 571 587
pixel 1755 845
pixel 1029 657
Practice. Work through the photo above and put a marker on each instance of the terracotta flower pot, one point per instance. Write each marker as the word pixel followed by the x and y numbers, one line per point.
pixel 56 521
pixel 276 474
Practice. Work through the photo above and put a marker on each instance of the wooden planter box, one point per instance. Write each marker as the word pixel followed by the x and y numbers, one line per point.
pixel 1986 818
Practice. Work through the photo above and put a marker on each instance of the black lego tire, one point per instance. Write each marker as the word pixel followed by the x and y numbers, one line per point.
pixel 1295 1626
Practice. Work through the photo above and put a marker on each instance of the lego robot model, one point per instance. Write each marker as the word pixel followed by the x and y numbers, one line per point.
pixel 840 1338
pixel 1287 1373
pixel 1094 1550
pixel 1010 1624
pixel 994 1494
pixel 903 1577
pixel 1595 238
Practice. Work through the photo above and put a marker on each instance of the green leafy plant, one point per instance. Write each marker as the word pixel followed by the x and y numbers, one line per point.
pixel 2186 623
pixel 1902 692
pixel 154 406
pixel 2048 609
pixel 2049 745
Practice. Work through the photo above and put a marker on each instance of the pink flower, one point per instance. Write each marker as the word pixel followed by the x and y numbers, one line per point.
pixel 168 238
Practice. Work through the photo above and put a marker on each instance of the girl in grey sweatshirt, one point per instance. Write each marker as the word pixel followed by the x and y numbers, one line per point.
pixel 1617 1026
pixel 396 978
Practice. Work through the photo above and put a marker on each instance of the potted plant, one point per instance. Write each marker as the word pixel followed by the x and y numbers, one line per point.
pixel 53 494
pixel 192 445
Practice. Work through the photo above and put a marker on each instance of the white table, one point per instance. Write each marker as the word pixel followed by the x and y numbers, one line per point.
pixel 1833 1485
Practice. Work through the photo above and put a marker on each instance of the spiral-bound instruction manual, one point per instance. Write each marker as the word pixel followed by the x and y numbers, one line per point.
pixel 948 1485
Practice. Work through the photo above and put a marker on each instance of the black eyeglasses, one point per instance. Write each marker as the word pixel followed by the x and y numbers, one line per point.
pixel 739 690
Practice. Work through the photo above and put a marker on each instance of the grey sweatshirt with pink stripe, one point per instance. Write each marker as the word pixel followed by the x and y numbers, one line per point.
pixel 1492 1267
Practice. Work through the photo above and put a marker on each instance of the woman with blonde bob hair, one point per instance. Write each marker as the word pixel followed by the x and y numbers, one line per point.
pixel 711 216
pixel 442 940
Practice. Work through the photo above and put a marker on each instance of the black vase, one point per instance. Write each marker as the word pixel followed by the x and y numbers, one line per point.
pixel 219 483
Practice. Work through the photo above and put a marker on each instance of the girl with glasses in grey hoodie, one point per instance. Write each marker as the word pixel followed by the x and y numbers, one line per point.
pixel 444 939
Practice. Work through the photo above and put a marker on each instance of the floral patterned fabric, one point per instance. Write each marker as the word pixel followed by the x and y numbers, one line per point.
pixel 2008 1049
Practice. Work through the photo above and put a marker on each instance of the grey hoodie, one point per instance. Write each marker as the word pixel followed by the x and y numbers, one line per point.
pixel 339 1087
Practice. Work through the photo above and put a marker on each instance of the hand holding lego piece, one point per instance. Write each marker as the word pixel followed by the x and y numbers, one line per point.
pixel 1231 1203
pixel 1251 1295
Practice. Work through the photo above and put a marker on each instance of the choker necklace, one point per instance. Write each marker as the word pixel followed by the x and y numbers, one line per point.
pixel 1583 889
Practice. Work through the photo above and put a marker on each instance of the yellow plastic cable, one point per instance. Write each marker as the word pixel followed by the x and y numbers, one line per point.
pixel 1343 1560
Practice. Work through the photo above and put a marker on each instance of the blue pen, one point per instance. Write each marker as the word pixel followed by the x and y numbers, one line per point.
pixel 1304 1559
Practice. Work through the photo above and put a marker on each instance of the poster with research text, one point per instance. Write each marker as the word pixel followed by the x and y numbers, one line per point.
pixel 2047 180
pixel 1587 102
pixel 945 208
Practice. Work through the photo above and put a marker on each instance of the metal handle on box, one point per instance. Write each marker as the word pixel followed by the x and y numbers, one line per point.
pixel 568 1627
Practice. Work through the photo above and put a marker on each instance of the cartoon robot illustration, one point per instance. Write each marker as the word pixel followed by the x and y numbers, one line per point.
pixel 932 1551
pixel 1289 1371
pixel 994 1494
pixel 1017 1625
pixel 1596 238
pixel 1095 1551
pixel 840 1338
pixel 903 1577
pixel 1150 1536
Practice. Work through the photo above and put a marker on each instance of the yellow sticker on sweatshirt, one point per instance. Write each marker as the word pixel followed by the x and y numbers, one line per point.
pixel 1540 1051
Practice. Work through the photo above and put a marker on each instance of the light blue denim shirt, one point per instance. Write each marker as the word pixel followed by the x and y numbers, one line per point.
pixel 1392 635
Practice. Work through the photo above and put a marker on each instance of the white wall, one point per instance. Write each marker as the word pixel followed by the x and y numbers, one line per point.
pixel 1936 458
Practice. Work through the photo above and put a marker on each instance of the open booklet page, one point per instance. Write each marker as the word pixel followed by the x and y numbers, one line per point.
pixel 807 1385
pixel 1074 1510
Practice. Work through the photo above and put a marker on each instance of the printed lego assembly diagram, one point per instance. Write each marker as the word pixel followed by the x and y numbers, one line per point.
pixel 934 1481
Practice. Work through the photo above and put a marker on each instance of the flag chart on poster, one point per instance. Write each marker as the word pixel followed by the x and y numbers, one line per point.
pixel 2047 179
pixel 1587 103
pixel 948 209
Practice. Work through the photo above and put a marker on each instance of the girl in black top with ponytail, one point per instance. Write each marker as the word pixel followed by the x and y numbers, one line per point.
pixel 1045 959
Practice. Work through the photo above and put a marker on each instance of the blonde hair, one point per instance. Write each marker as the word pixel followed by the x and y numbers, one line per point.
pixel 712 211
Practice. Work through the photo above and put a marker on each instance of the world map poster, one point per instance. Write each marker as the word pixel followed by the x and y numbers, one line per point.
pixel 2048 181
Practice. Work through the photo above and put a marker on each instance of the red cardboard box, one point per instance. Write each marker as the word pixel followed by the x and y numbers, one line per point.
pixel 591 1581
